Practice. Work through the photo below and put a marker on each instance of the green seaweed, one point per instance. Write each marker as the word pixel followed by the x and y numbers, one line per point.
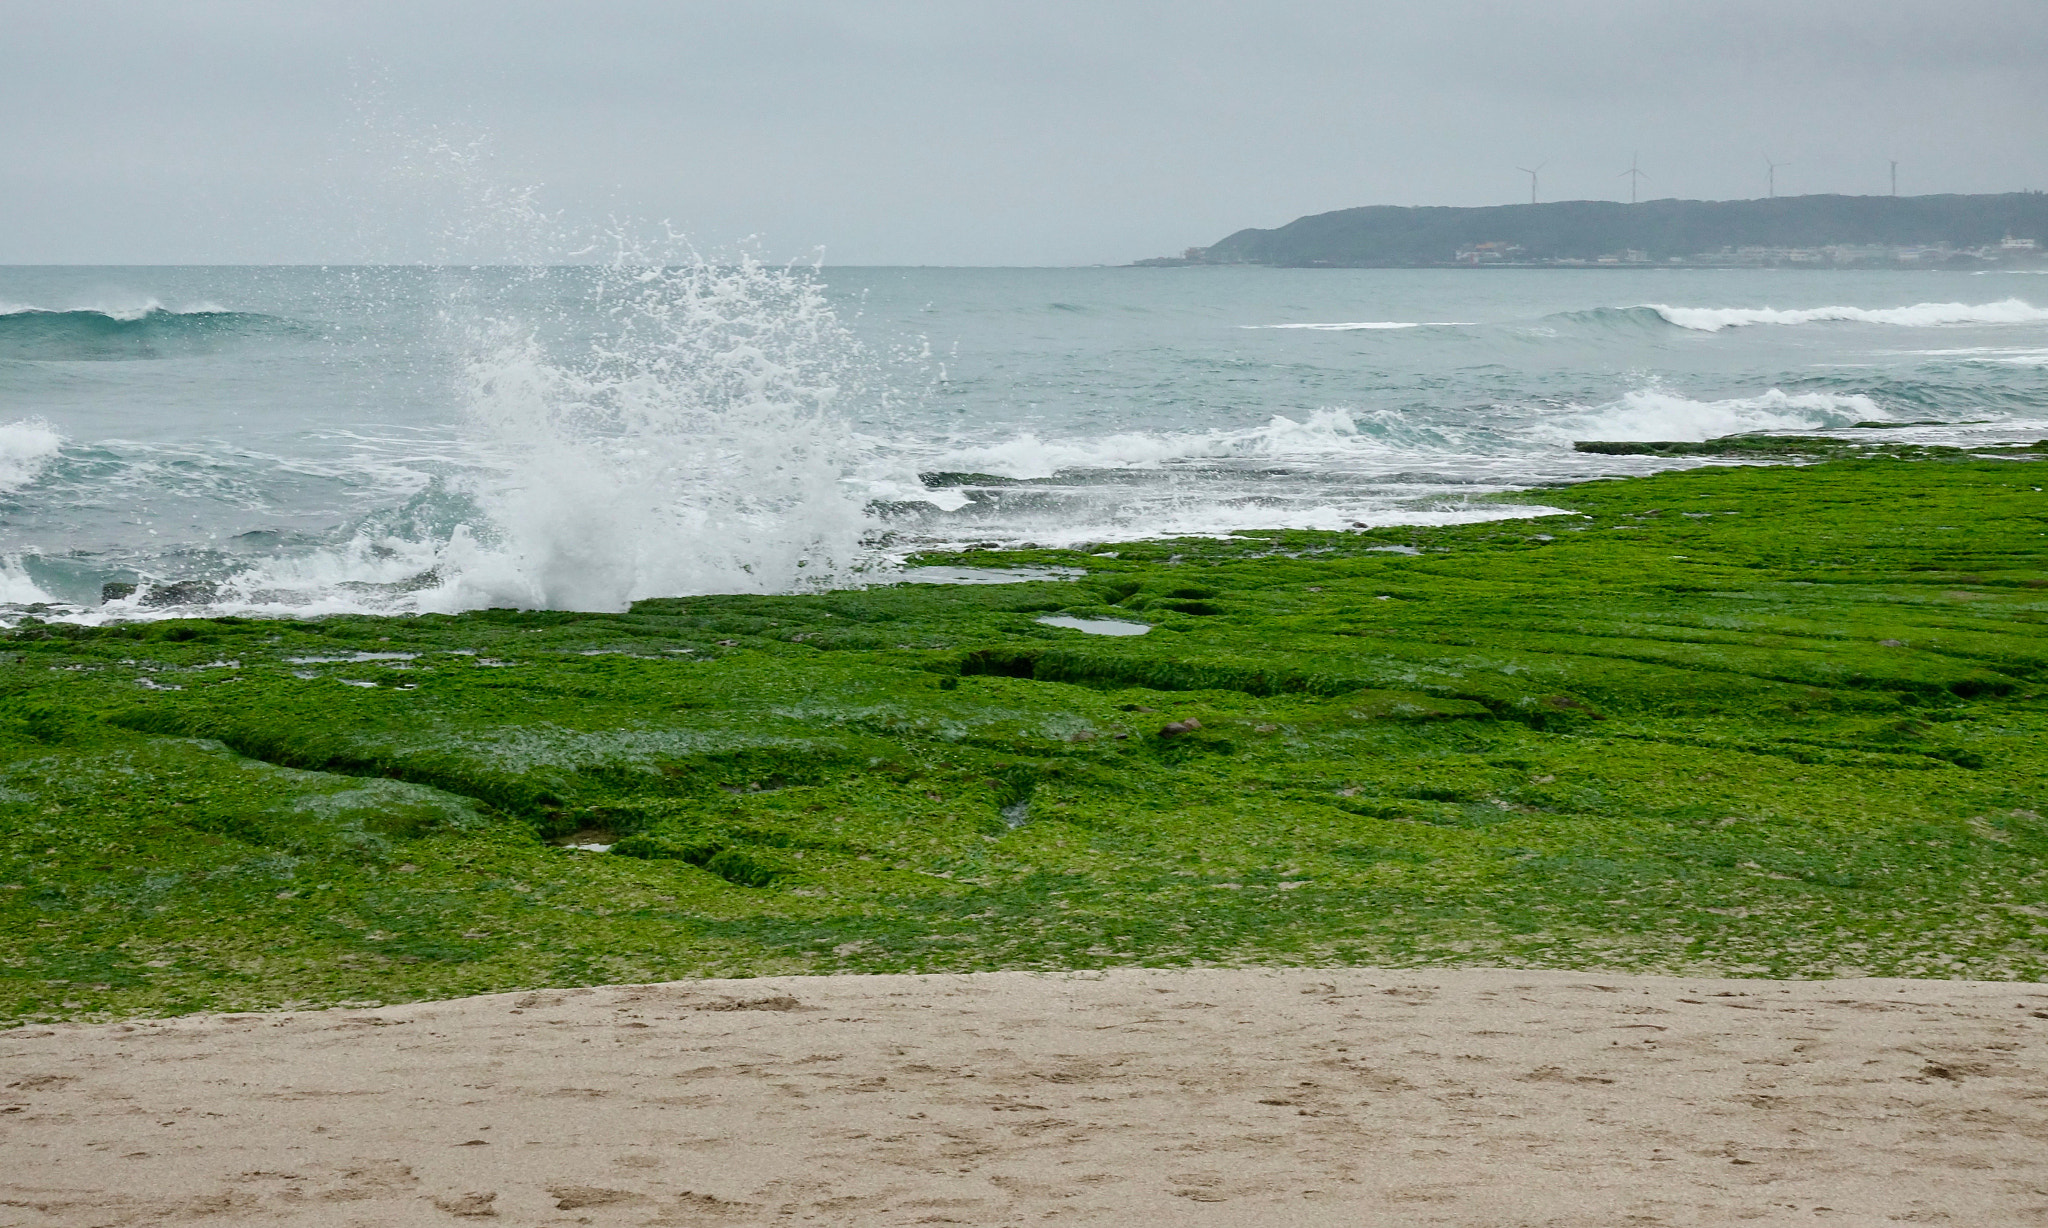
pixel 1782 721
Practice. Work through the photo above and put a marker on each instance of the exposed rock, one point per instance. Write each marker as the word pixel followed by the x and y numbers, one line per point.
pixel 181 592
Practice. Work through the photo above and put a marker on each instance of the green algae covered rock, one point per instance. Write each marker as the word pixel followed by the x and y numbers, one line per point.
pixel 1781 721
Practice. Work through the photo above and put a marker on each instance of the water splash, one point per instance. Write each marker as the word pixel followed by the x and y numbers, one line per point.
pixel 17 587
pixel 697 447
pixel 25 448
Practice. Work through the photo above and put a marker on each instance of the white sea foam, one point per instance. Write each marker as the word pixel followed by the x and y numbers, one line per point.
pixel 126 312
pixel 1322 433
pixel 17 587
pixel 25 447
pixel 1028 455
pixel 1919 315
pixel 1222 518
pixel 1354 441
pixel 1655 414
pixel 2011 356
pixel 1367 325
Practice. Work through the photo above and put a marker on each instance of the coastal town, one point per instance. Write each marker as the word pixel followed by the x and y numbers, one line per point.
pixel 2011 251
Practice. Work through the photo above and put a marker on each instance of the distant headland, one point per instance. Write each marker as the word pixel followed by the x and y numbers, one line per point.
pixel 1948 231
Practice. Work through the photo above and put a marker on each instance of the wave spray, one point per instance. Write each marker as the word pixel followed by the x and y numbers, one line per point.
pixel 697 446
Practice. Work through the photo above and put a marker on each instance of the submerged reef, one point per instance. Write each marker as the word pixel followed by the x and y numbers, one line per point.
pixel 1780 721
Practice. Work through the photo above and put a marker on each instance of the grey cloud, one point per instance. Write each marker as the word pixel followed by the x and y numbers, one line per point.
pixel 920 131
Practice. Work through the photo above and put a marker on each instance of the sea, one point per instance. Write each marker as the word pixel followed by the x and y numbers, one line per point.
pixel 302 441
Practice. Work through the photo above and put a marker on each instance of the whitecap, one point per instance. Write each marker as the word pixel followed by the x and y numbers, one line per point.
pixel 2011 356
pixel 126 312
pixel 1655 414
pixel 1368 325
pixel 1324 433
pixel 25 447
pixel 17 587
pixel 1918 315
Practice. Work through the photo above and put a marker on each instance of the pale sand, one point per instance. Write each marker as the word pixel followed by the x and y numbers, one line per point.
pixel 1283 1097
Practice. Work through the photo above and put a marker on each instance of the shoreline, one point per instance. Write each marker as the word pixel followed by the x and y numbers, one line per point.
pixel 1302 1096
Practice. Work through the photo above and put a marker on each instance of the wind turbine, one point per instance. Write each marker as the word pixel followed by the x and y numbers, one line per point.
pixel 1895 176
pixel 1774 173
pixel 1633 176
pixel 1531 173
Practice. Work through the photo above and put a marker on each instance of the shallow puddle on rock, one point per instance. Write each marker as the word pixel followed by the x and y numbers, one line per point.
pixel 983 575
pixel 1095 626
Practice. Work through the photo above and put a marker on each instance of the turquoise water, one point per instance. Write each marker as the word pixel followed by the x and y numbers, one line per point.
pixel 314 440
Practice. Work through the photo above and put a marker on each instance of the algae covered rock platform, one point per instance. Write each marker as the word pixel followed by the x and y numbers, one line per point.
pixel 1773 721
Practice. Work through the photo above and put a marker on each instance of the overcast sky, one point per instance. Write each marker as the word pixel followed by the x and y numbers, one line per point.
pixel 957 132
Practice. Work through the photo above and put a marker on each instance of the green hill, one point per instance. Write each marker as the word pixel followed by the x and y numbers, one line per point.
pixel 1658 230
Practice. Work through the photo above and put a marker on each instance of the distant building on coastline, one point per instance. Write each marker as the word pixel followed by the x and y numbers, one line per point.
pixel 1488 253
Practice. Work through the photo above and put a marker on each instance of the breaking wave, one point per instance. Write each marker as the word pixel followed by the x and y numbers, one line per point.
pixel 149 330
pixel 1611 318
pixel 25 448
pixel 1654 414
pixel 1919 315
pixel 1320 435
pixel 17 587
pixel 2010 356
pixel 1368 325
pixel 1390 437
pixel 129 313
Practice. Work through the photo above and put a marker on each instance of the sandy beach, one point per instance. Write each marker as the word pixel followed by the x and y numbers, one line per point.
pixel 1296 1097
